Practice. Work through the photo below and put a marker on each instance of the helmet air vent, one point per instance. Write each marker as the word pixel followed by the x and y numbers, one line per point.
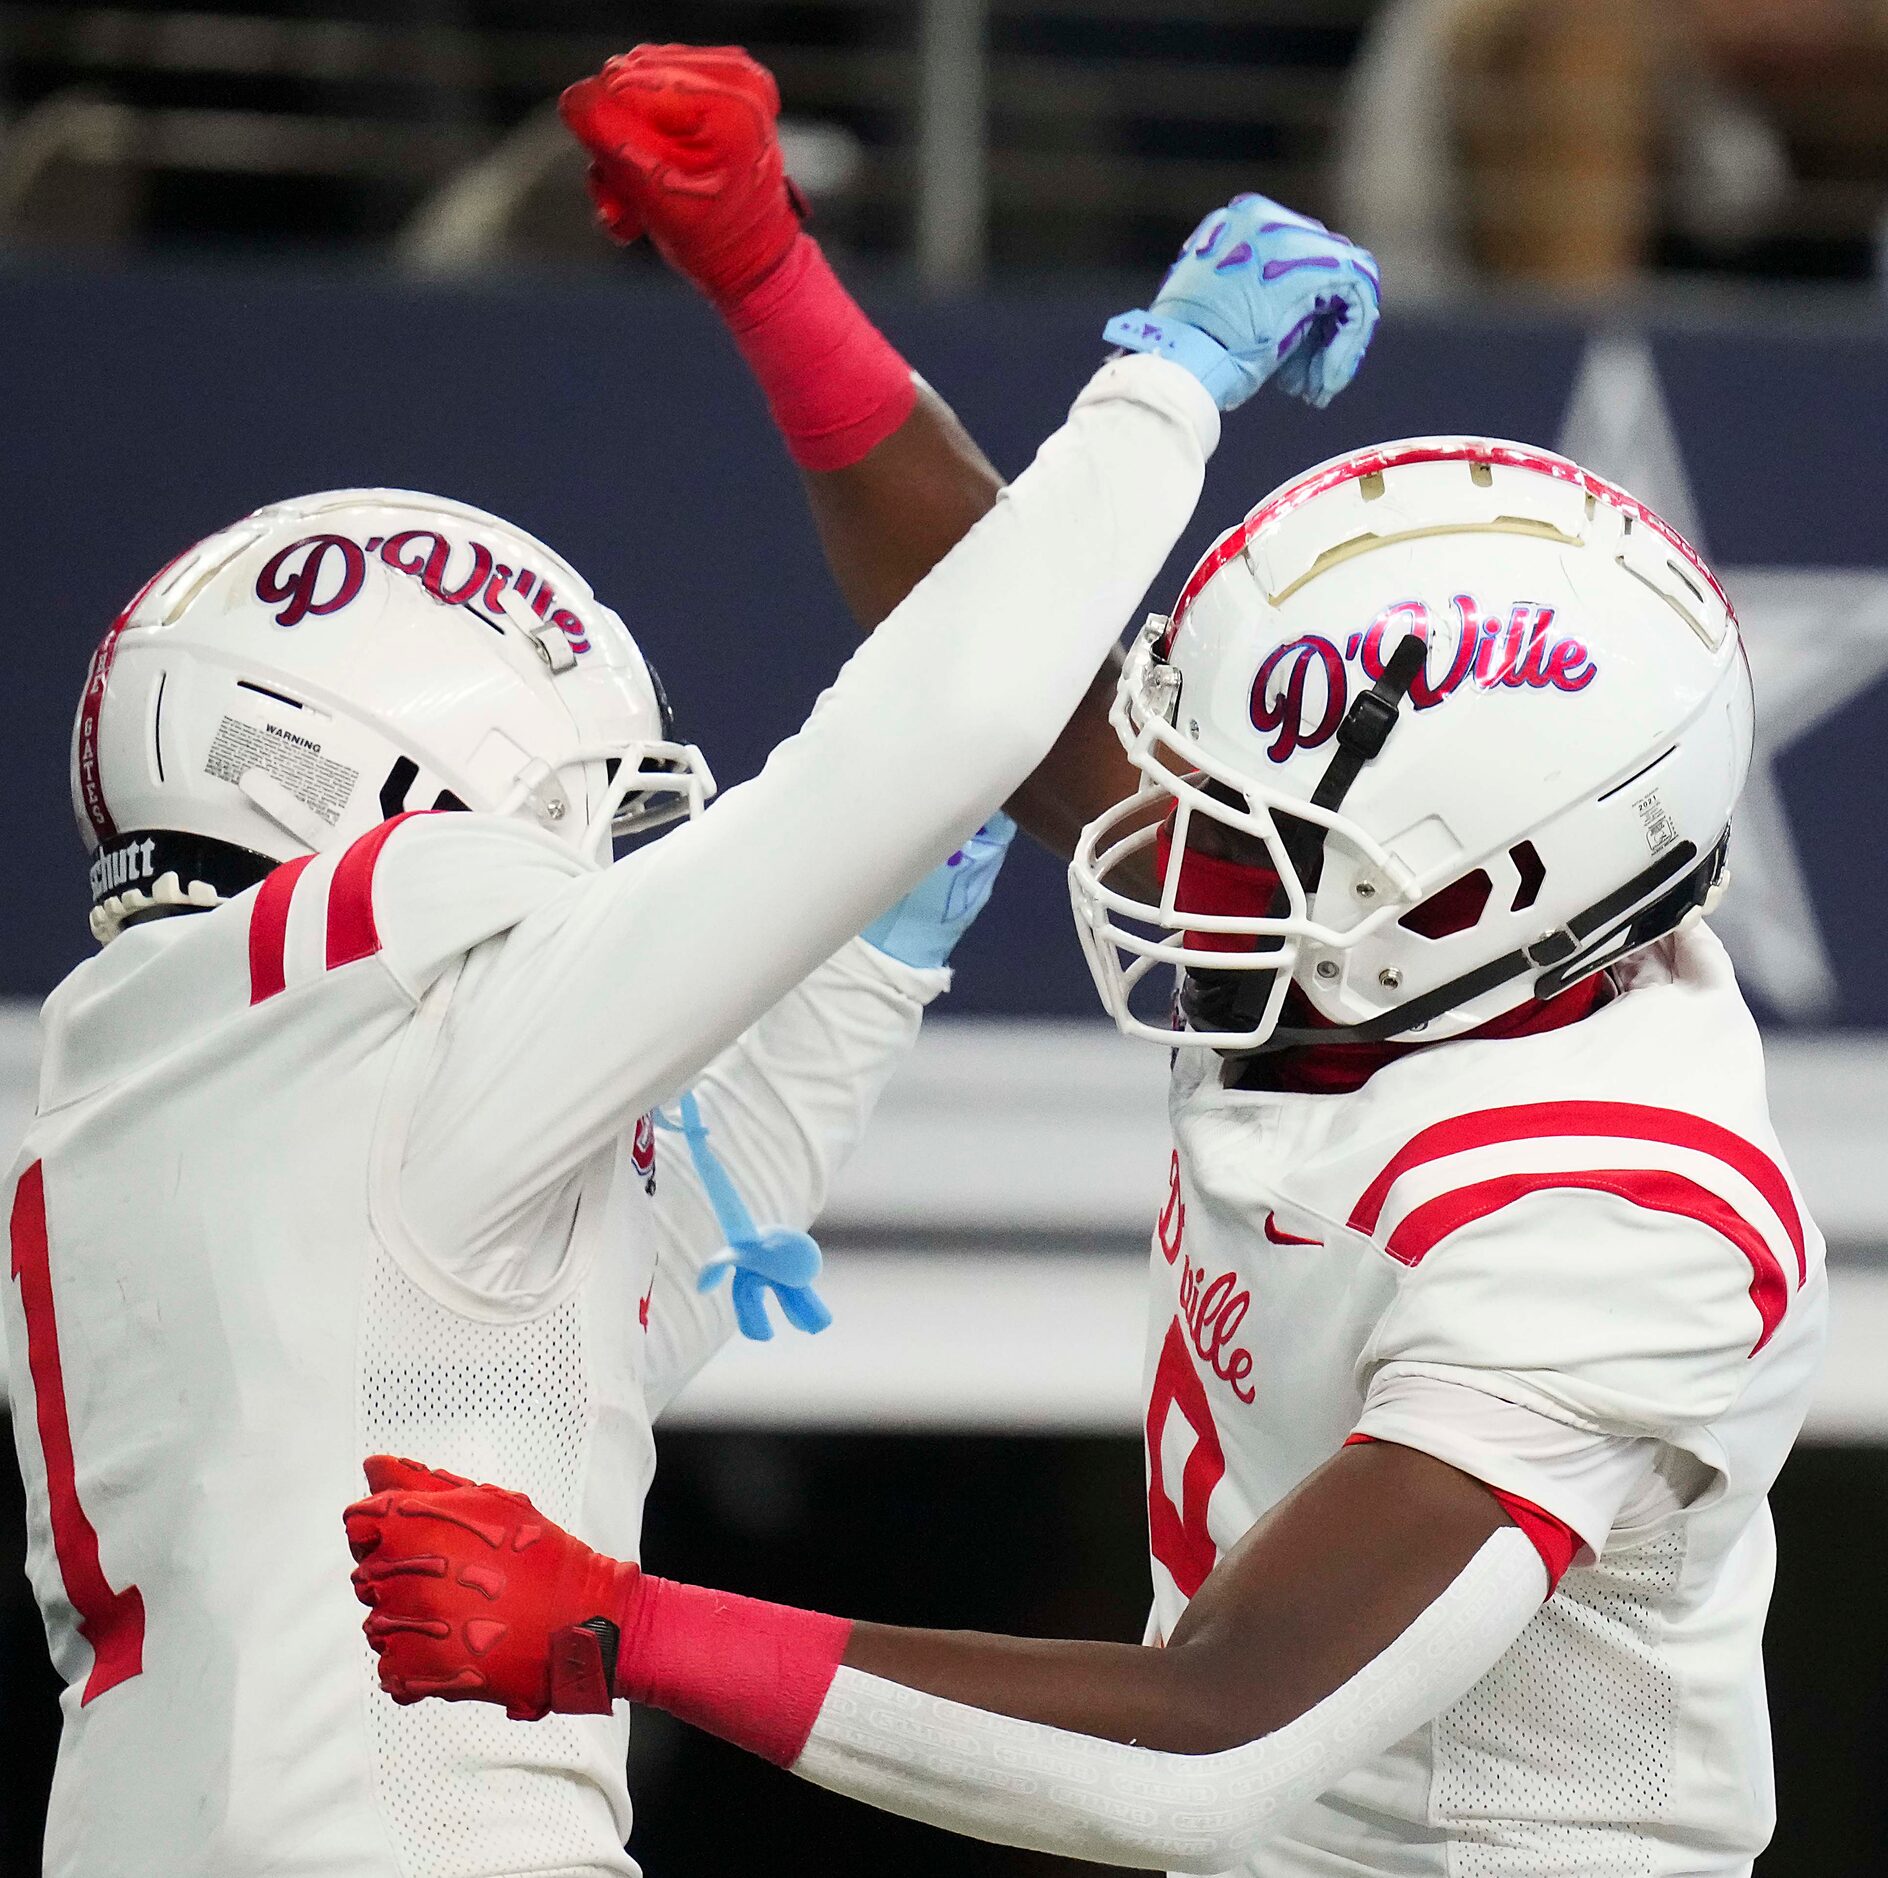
pixel 404 773
pixel 245 684
pixel 1533 872
pixel 1452 909
pixel 157 725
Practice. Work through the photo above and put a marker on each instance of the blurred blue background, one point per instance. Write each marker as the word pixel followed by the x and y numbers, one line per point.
pixel 143 407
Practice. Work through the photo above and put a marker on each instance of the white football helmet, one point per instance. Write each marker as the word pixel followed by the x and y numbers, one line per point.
pixel 329 662
pixel 1442 726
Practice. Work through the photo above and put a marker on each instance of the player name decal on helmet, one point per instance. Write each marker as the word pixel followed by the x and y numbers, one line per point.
pixel 1302 688
pixel 332 569
pixel 113 868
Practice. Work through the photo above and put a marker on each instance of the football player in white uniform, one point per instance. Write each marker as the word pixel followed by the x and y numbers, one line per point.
pixel 1485 1307
pixel 355 1134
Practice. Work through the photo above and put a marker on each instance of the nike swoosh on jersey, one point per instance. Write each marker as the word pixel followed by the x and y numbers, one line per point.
pixel 1278 1237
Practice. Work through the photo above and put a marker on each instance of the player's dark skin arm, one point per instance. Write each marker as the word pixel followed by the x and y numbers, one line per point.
pixel 1320 1586
pixel 886 521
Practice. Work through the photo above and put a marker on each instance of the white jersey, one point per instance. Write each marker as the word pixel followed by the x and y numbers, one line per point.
pixel 285 1217
pixel 1575 1266
pixel 355 1162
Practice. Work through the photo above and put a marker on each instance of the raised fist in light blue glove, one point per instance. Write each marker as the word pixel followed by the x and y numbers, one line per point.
pixel 1260 292
pixel 925 926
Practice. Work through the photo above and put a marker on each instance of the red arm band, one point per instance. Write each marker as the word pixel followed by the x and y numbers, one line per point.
pixel 1552 1538
pixel 752 1673
pixel 836 386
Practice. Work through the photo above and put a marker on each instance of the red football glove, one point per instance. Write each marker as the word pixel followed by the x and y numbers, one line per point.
pixel 477 1597
pixel 683 147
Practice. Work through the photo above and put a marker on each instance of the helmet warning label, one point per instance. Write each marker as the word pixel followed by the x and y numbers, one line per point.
pixel 317 782
pixel 1660 830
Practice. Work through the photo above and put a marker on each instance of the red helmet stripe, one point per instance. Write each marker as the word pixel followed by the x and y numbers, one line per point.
pixel 91 702
pixel 1227 548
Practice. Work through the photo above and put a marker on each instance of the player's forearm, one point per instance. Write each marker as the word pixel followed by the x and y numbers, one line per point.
pixel 887 519
pixel 1284 1618
pixel 1074 1793
pixel 685 150
pixel 1126 1771
pixel 759 1674
pixel 1361 1607
pixel 1175 1700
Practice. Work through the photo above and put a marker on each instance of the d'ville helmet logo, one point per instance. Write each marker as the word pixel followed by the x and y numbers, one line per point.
pixel 1301 689
pixel 332 569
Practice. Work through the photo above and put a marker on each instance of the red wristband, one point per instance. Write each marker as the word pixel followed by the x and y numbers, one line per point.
pixel 752 1673
pixel 835 384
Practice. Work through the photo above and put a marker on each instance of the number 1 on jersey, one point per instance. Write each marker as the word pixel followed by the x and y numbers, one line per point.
pixel 112 1622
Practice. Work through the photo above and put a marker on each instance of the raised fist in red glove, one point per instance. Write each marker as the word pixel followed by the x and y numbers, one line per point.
pixel 683 148
pixel 477 1597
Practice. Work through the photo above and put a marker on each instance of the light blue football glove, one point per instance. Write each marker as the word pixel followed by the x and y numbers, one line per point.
pixel 1260 292
pixel 925 926
pixel 779 1260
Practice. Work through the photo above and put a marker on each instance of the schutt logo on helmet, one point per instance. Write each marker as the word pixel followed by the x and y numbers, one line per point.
pixel 332 568
pixel 1302 688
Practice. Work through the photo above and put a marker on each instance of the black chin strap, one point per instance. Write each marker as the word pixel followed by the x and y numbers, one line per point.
pixel 1367 725
pixel 1607 930
pixel 1236 1000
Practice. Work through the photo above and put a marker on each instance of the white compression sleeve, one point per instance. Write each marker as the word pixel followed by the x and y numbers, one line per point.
pixel 1021 1783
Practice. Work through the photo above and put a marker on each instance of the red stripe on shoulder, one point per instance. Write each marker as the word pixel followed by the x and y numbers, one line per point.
pixel 1631 1121
pixel 352 933
pixel 1426 1226
pixel 268 928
